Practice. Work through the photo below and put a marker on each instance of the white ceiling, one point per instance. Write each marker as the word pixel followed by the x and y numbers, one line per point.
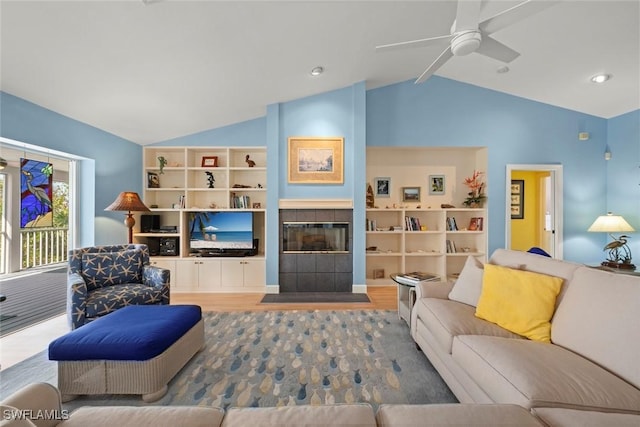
pixel 171 68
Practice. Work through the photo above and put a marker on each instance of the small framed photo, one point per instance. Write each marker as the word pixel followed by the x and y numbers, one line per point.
pixel 436 185
pixel 257 206
pixel 410 194
pixel 378 273
pixel 153 180
pixel 209 161
pixel 382 186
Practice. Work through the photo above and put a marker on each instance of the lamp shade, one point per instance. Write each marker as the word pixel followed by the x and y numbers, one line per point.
pixel 127 201
pixel 610 223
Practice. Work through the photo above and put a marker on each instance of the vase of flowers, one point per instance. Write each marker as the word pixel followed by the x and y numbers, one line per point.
pixel 475 196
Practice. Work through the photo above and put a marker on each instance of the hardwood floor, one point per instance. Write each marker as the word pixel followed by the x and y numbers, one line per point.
pixel 382 298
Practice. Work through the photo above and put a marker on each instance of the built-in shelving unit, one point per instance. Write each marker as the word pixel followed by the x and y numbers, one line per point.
pixel 180 181
pixel 415 233
pixel 393 247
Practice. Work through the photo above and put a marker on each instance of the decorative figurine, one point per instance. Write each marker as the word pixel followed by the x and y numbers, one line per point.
pixel 251 163
pixel 163 163
pixel 259 185
pixel 210 179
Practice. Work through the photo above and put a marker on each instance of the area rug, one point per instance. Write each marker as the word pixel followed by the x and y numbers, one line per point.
pixel 286 358
pixel 314 297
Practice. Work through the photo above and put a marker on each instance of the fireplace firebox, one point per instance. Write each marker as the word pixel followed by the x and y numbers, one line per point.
pixel 315 237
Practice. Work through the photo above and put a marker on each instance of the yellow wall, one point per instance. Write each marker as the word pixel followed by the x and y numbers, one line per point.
pixel 525 233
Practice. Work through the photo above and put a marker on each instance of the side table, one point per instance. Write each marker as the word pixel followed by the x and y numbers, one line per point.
pixel 406 299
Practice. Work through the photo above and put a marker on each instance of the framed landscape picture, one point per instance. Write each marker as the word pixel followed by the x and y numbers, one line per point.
pixel 315 160
pixel 410 194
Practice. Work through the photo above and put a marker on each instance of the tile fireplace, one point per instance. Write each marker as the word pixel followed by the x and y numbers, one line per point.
pixel 315 250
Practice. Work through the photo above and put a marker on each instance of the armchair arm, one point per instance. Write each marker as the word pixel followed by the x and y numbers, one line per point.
pixel 38 398
pixel 434 290
pixel 157 277
pixel 76 300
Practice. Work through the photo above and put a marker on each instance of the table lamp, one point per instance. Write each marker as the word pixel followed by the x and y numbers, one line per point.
pixel 619 252
pixel 128 201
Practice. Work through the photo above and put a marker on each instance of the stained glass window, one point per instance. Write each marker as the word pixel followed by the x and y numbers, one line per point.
pixel 36 183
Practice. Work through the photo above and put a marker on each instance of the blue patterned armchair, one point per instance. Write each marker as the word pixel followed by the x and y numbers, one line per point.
pixel 102 279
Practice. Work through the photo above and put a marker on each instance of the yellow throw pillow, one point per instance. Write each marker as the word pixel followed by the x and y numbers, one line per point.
pixel 520 301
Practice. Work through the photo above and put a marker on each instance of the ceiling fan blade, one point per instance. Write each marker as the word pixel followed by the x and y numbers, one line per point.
pixel 515 14
pixel 467 15
pixel 432 41
pixel 494 49
pixel 439 62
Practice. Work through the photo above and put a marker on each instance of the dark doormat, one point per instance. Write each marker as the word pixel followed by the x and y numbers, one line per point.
pixel 297 297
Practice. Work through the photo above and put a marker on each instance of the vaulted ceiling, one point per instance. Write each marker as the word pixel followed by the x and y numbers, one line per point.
pixel 169 68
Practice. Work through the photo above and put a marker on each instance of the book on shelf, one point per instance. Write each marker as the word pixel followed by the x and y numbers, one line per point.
pixel 416 277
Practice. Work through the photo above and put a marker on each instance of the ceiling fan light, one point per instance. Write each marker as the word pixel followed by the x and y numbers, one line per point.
pixel 466 43
pixel 601 78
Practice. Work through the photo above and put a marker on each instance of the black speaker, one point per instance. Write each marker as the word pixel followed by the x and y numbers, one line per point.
pixel 149 223
pixel 154 246
pixel 169 246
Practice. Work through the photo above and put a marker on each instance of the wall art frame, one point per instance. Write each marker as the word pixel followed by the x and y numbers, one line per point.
pixel 316 160
pixel 517 199
pixel 382 186
pixel 209 162
pixel 410 194
pixel 436 185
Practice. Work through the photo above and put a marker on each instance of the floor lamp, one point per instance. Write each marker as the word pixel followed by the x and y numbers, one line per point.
pixel 128 201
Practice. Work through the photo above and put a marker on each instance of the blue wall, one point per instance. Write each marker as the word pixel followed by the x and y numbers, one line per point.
pixel 623 175
pixel 111 164
pixel 443 112
pixel 440 112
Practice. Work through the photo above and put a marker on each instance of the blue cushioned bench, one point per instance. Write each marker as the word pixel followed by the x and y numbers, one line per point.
pixel 137 349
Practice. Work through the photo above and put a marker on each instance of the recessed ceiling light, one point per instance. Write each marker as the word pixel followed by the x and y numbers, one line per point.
pixel 502 69
pixel 316 71
pixel 601 78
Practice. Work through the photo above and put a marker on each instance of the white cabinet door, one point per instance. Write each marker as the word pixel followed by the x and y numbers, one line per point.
pixel 209 275
pixel 236 273
pixel 254 273
pixel 186 275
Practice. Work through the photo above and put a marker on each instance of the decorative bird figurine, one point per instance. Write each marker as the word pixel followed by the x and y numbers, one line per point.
pixel 163 162
pixel 616 246
pixel 250 162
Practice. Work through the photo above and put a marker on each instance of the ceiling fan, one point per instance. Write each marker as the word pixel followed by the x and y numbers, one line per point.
pixel 469 35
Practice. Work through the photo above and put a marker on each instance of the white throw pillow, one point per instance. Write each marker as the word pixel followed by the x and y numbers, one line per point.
pixel 468 287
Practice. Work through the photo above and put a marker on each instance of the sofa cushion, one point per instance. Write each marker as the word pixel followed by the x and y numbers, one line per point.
pixel 111 268
pixel 599 319
pixel 294 416
pixel 125 416
pixel 447 319
pixel 519 301
pixel 537 264
pixel 558 417
pixel 454 415
pixel 468 287
pixel 111 298
pixel 533 374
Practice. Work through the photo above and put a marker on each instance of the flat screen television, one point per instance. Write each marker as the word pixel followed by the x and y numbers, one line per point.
pixel 211 231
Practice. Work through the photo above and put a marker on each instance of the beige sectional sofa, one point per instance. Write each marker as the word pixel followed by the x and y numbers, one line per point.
pixel 589 374
pixel 40 402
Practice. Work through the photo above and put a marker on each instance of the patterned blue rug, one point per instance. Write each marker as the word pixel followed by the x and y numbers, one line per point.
pixel 300 358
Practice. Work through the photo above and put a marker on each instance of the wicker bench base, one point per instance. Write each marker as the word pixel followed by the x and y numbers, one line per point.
pixel 148 378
